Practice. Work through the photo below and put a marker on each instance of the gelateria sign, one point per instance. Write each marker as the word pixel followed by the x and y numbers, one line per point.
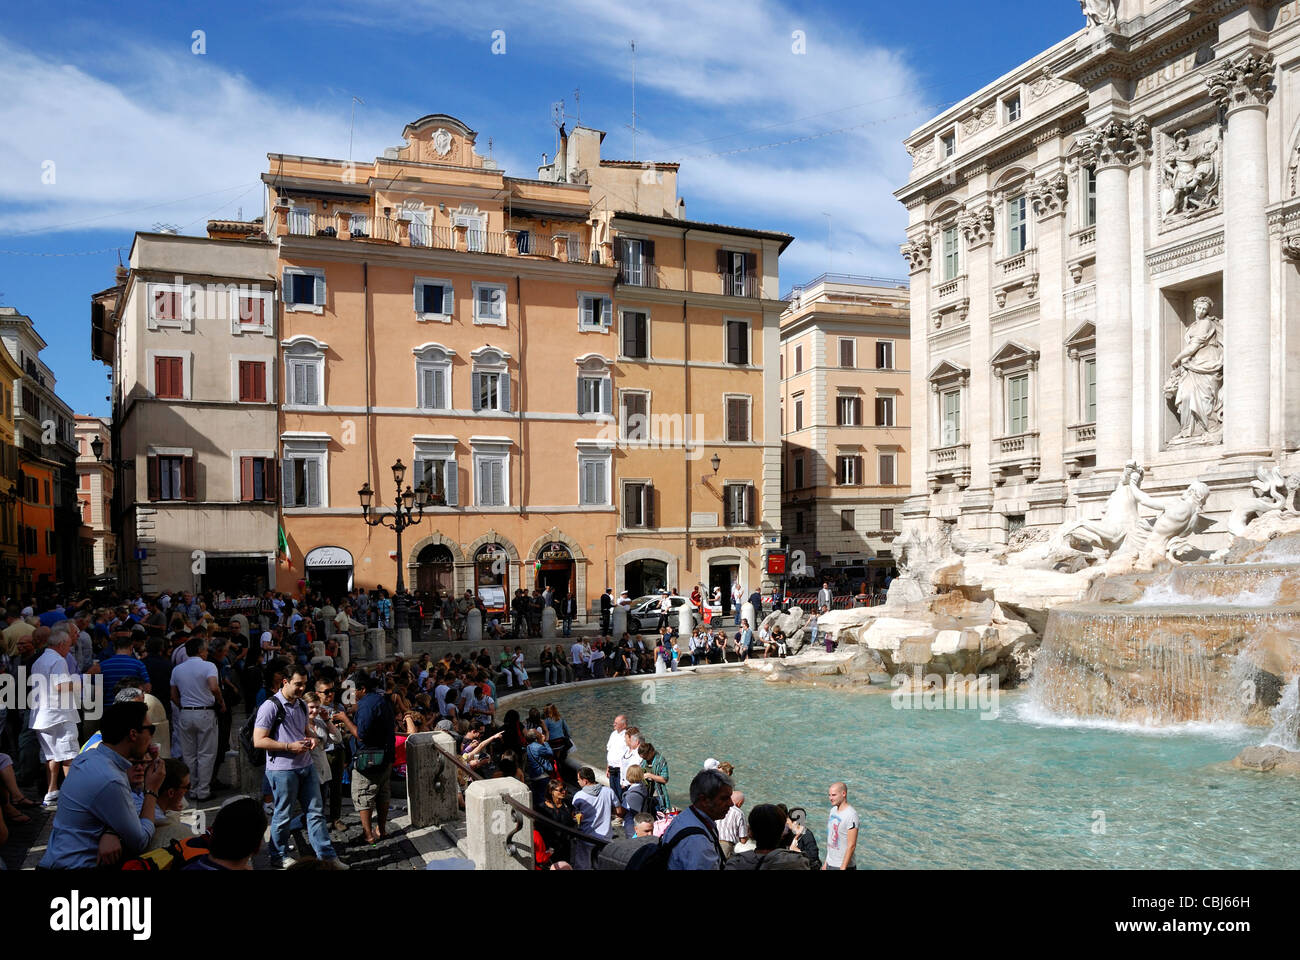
pixel 708 543
pixel 555 550
pixel 329 557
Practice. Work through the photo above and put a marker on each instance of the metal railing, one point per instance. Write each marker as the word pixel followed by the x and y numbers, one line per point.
pixel 519 811
pixel 637 273
pixel 743 286
pixel 532 244
pixel 845 601
pixel 306 224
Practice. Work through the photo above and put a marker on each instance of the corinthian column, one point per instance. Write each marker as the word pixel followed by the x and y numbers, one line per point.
pixel 1112 145
pixel 1243 87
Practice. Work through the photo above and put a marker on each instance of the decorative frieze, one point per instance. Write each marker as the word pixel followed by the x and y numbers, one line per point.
pixel 1190 173
pixel 1244 81
pixel 1180 255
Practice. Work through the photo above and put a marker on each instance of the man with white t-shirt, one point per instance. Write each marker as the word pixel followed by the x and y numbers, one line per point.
pixel 737 600
pixel 841 831
pixel 631 757
pixel 55 693
pixel 196 696
pixel 615 747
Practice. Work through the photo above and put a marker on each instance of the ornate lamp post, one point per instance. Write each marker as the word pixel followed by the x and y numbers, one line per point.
pixel 408 510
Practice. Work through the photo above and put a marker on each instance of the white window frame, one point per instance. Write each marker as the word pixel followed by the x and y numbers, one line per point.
pixel 1084 362
pixel 268 364
pixel 1086 221
pixel 189 306
pixel 604 308
pixel 237 326
pixel 798 358
pixel 237 479
pixel 483 452
pixel 948 257
pixel 440 317
pixel 588 454
pixel 505 304
pixel 304 350
pixel 1013 101
pixel 306 447
pixel 623 416
pixel 313 307
pixel 840 419
pixel 187 372
pixel 892 354
pixel 891 407
pixel 943 417
pixel 437 357
pixel 440 450
pixel 796 413
pixel 500 367
pixel 1022 229
pixel 744 487
pixel 839 352
pixel 856 458
pixel 749 341
pixel 596 409
pixel 1007 401
pixel 749 416
pixel 647 491
pixel 942 146
pixel 649 344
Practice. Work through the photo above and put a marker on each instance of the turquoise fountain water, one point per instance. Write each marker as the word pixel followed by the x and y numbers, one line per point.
pixel 946 789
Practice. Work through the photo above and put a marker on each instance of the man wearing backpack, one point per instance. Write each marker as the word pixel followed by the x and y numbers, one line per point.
pixel 540 766
pixel 280 728
pixel 692 837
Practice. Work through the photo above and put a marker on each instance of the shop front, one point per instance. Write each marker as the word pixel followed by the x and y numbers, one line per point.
pixel 555 569
pixel 492 577
pixel 329 571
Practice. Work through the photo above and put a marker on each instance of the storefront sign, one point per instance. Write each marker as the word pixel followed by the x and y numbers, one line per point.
pixel 708 543
pixel 328 557
pixel 776 564
pixel 554 551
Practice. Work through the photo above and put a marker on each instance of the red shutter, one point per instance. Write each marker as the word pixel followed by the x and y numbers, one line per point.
pixel 258 373
pixel 187 478
pixel 153 478
pixel 246 478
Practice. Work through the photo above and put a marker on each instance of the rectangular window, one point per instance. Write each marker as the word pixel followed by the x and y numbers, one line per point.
pixel 737 419
pixel 49 542
pixel 798 473
pixel 887 519
pixel 638 505
pixel 252 381
pixel 439 476
pixel 171 478
pixel 595 313
pixel 887 473
pixel 252 311
pixel 951 401
pixel 305 289
pixel 489 391
pixel 636 416
pixel 1018 405
pixel 798 413
pixel 490 480
pixel 1090 390
pixel 592 475
pixel 636 335
pixel 884 411
pixel 256 478
pixel 948 144
pixel 169 305
pixel 594 395
pixel 1017 225
pixel 1089 196
pixel 736 267
pixel 798 359
pixel 846 520
pixel 632 262
pixel 1011 106
pixel 738 504
pixel 737 342
pixel 884 355
pixel 302 481
pixel 304 383
pixel 848 470
pixel 434 298
pixel 169 378
pixel 848 411
pixel 798 521
pixel 848 352
pixel 432 385
pixel 490 303
pixel 951 254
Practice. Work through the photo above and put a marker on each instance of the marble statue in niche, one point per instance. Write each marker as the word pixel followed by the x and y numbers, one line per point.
pixel 1100 13
pixel 1195 388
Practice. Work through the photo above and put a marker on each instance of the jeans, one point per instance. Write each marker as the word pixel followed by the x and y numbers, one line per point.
pixel 568 627
pixel 301 785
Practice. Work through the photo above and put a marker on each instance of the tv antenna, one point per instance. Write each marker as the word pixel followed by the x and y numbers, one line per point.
pixel 353 124
pixel 632 125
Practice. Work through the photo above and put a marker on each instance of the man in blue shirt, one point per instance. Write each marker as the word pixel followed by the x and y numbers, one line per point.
pixel 375 730
pixel 692 837
pixel 123 663
pixel 96 795
pixel 540 766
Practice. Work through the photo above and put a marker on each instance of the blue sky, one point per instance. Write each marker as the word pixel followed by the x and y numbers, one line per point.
pixel 138 129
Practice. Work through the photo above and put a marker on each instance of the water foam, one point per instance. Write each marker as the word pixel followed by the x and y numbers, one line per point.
pixel 1166 594
pixel 1028 710
pixel 1286 719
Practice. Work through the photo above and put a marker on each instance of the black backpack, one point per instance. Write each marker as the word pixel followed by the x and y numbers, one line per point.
pixel 644 853
pixel 255 755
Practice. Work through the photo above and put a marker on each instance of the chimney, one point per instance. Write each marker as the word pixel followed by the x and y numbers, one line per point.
pixel 562 159
pixel 681 208
pixel 120 273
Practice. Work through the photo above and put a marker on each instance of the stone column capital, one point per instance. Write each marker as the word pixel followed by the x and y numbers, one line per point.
pixel 1115 142
pixel 1048 195
pixel 917 253
pixel 1244 81
pixel 977 225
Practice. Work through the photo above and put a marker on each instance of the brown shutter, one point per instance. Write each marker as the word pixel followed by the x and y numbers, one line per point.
pixel 270 478
pixel 187 478
pixel 751 517
pixel 246 478
pixel 722 263
pixel 153 478
pixel 629 492
pixel 648 251
pixel 649 515
pixel 857 411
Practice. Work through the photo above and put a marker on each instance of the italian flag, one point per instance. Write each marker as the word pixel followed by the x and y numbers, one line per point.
pixel 282 548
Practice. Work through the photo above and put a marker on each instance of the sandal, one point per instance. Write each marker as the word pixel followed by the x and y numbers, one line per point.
pixel 24 802
pixel 17 818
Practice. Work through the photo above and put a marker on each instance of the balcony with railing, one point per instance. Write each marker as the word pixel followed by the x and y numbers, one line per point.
pixel 1080 447
pixel 950 461
pixel 950 291
pixel 1017 270
pixel 637 273
pixel 1015 454
pixel 742 286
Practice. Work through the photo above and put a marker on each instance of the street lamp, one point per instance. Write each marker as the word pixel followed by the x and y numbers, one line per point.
pixel 408 510
pixel 715 463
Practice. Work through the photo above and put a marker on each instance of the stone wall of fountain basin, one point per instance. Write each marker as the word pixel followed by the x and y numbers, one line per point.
pixel 1249 584
pixel 1167 664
